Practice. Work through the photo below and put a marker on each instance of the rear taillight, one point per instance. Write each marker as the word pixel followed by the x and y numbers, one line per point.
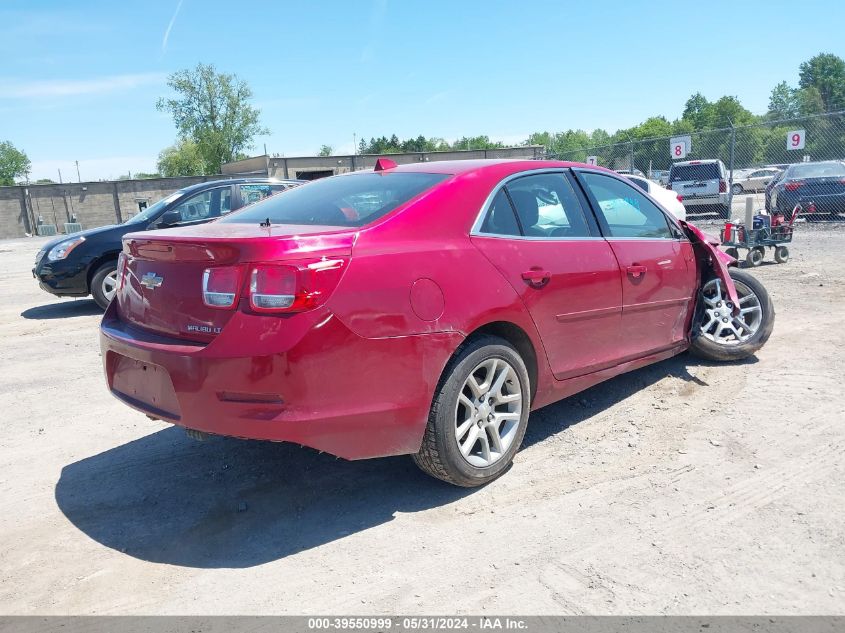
pixel 293 287
pixel 723 186
pixel 793 186
pixel 680 198
pixel 121 270
pixel 220 286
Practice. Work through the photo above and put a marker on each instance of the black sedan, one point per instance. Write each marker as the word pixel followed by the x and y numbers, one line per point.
pixel 818 187
pixel 86 263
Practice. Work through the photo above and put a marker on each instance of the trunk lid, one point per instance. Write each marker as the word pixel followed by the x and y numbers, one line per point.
pixel 163 272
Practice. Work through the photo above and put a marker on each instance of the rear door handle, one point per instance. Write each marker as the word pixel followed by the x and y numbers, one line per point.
pixel 536 277
pixel 636 270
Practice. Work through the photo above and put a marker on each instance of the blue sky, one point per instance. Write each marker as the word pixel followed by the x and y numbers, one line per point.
pixel 79 80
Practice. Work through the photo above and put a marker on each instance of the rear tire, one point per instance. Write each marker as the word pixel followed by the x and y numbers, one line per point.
pixel 104 284
pixel 733 252
pixel 711 341
pixel 484 393
pixel 781 254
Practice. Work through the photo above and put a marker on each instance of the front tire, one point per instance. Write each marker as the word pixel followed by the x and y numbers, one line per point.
pixel 104 284
pixel 479 414
pixel 718 334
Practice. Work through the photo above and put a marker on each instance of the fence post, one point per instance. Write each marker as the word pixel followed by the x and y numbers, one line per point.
pixel 632 157
pixel 731 167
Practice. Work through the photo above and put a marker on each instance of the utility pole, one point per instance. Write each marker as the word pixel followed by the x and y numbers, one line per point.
pixel 78 177
pixel 60 176
pixel 354 143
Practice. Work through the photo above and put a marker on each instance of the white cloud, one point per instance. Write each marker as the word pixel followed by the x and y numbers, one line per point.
pixel 71 87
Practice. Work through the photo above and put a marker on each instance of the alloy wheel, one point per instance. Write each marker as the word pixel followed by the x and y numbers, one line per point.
pixel 488 412
pixel 109 285
pixel 719 324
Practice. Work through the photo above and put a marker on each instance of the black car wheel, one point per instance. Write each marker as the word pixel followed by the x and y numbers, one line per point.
pixel 104 284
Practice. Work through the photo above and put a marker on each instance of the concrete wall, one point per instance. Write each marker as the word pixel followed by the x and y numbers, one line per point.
pixel 307 166
pixel 93 203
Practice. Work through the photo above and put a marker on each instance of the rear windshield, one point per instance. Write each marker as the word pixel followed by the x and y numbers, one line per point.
pixel 817 170
pixel 353 200
pixel 703 171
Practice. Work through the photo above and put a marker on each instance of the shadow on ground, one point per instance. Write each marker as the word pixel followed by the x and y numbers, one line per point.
pixel 235 503
pixel 63 310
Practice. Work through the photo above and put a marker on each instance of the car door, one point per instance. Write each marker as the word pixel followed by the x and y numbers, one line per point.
pixel 656 262
pixel 537 232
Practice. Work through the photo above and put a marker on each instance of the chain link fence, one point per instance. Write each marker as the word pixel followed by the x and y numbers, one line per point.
pixel 745 151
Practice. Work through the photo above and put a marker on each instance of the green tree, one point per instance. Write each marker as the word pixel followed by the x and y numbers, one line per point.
pixel 784 102
pixel 212 109
pixel 826 73
pixel 325 150
pixel 45 181
pixel 182 159
pixel 697 111
pixel 13 163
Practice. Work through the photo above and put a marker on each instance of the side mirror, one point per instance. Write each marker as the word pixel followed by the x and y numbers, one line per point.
pixel 169 218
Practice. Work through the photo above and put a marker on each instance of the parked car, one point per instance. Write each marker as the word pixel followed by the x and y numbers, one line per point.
pixel 752 179
pixel 818 187
pixel 669 200
pixel 86 263
pixel 702 183
pixel 430 324
pixel 627 172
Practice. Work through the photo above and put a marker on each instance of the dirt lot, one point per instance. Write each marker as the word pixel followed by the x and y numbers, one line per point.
pixel 686 487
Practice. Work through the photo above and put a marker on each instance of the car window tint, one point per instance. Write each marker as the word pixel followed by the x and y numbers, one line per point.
pixel 817 170
pixel 500 218
pixel 349 200
pixel 546 206
pixel 642 184
pixel 627 212
pixel 701 171
pixel 205 205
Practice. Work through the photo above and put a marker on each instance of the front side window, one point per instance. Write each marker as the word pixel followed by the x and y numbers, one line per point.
pixel 626 211
pixel 352 200
pixel 206 205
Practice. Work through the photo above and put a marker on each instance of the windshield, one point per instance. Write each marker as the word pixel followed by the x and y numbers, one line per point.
pixel 148 214
pixel 353 200
pixel 702 171
pixel 817 170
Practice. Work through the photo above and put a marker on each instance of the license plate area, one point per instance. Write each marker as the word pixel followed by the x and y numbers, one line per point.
pixel 143 385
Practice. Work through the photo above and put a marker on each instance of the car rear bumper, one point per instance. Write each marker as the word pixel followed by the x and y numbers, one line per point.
pixel 325 387
pixel 695 201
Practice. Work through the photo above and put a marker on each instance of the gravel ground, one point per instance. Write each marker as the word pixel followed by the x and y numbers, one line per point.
pixel 685 487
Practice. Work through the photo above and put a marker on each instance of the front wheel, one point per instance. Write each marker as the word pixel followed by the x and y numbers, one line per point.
pixel 478 416
pixel 718 333
pixel 781 254
pixel 104 284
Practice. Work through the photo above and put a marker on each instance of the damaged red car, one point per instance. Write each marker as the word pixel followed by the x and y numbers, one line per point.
pixel 421 309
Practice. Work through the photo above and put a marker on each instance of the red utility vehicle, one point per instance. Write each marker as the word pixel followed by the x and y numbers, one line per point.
pixel 423 309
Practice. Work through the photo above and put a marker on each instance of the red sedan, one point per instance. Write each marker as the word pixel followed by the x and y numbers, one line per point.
pixel 423 309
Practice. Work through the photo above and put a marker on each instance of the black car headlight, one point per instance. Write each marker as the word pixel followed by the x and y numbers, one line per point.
pixel 63 249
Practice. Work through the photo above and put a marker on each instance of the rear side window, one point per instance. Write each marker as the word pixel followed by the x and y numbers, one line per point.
pixel 703 171
pixel 541 205
pixel 353 200
pixel 626 211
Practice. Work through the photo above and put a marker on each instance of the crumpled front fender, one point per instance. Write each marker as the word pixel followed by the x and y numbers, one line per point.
pixel 719 261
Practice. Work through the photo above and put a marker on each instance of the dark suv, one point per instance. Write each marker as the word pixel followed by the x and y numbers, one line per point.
pixel 86 263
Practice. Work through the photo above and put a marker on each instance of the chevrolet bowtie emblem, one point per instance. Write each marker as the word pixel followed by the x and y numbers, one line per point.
pixel 151 281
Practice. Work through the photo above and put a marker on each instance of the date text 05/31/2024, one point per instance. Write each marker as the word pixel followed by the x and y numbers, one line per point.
pixel 432 623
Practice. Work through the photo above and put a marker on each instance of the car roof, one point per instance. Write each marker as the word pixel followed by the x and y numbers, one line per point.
pixel 703 161
pixel 459 167
pixel 232 181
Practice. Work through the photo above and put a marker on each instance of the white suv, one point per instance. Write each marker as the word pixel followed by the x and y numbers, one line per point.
pixel 701 183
